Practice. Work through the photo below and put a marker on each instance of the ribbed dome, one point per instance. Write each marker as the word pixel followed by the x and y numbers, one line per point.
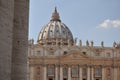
pixel 55 30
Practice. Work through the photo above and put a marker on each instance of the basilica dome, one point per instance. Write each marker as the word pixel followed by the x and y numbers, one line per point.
pixel 55 32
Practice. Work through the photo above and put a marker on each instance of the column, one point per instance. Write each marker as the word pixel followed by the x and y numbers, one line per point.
pixel 88 73
pixel 45 72
pixel 80 73
pixel 92 73
pixel 56 72
pixel 19 38
pixel 118 72
pixel 115 73
pixel 103 73
pixel 69 73
pixel 31 73
pixel 61 72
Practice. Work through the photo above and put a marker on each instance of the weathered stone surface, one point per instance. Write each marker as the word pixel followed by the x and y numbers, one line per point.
pixel 13 39
pixel 20 40
pixel 6 25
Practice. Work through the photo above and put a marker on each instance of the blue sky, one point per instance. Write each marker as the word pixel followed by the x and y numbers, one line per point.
pixel 97 20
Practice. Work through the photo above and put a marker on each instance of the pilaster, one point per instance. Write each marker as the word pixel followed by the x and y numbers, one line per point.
pixel 80 72
pixel 103 72
pixel 45 72
pixel 61 72
pixel 88 73
pixel 69 72
pixel 56 72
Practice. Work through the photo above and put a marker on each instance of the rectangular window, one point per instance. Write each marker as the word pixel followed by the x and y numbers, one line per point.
pixel 98 72
pixel 75 71
pixel 50 70
pixel 65 71
pixel 84 72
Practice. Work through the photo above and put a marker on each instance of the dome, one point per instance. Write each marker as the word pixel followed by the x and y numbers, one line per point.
pixel 55 31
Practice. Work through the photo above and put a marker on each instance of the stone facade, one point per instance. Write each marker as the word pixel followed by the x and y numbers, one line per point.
pixel 13 39
pixel 106 60
pixel 59 58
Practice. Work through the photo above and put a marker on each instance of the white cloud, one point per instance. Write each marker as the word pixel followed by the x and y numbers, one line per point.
pixel 109 24
pixel 116 23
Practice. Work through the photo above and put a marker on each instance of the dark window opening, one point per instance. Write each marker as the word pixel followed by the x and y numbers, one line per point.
pixel 84 79
pixel 65 79
pixel 84 53
pixel 65 52
pixel 59 43
pixel 50 79
pixel 49 43
pixel 97 79
pixel 18 42
pixel 65 43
